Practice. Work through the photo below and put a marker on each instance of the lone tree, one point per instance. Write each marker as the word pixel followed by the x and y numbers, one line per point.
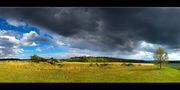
pixel 160 56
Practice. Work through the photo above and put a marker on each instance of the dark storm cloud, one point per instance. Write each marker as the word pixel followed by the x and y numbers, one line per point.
pixel 154 25
pixel 67 21
pixel 106 28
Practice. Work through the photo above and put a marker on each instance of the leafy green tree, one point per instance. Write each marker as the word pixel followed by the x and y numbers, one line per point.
pixel 160 56
pixel 36 58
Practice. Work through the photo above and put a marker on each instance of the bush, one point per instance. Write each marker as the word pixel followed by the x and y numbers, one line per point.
pixel 91 64
pixel 104 64
pixel 60 64
pixel 36 58
pixel 97 64
pixel 128 64
pixel 52 61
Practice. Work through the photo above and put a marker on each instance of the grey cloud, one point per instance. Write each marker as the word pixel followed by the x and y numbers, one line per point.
pixel 106 28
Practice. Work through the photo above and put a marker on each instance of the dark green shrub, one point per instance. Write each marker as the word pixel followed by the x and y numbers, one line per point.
pixel 97 64
pixel 52 61
pixel 36 58
pixel 60 64
pixel 127 64
pixel 104 64
pixel 91 64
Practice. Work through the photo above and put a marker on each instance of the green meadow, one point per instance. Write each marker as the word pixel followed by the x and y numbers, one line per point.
pixel 27 71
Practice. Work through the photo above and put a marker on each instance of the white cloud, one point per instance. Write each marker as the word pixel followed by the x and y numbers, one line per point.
pixel 63 55
pixel 9 45
pixel 33 44
pixel 60 43
pixel 144 51
pixel 28 39
pixel 149 47
pixel 31 38
pixel 15 22
pixel 38 50
pixel 17 50
pixel 142 55
pixel 174 54
pixel 2 47
pixel 11 39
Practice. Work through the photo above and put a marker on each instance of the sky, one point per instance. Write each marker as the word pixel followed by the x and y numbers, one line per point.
pixel 63 32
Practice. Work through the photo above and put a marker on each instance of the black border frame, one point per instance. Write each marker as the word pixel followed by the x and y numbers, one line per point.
pixel 89 3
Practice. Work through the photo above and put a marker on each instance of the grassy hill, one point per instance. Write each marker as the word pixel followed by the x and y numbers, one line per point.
pixel 102 59
pixel 27 71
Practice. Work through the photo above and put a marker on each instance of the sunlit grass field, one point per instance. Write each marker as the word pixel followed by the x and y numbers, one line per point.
pixel 26 71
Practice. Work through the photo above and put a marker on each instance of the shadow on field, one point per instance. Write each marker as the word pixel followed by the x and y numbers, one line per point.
pixel 99 64
pixel 147 69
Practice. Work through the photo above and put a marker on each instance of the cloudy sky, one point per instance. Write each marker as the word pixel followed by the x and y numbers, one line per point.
pixel 63 32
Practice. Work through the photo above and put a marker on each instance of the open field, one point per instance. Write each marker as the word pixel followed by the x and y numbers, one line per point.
pixel 25 71
pixel 175 66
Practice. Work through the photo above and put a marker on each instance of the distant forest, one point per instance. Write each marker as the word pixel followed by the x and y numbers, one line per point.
pixel 92 59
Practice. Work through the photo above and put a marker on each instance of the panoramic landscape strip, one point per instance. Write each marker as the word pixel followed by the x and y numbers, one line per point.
pixel 84 44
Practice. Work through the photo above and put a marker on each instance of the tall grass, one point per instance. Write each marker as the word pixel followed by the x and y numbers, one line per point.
pixel 27 71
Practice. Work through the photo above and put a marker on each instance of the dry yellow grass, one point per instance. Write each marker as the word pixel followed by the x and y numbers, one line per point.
pixel 25 71
pixel 77 66
pixel 67 66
